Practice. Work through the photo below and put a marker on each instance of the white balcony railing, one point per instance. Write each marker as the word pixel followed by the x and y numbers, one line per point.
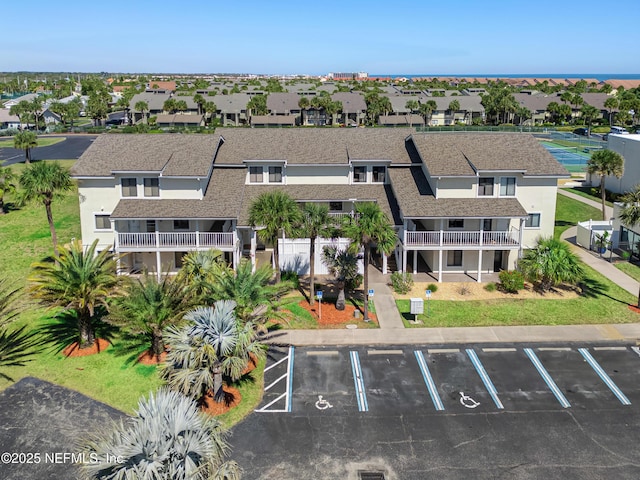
pixel 443 238
pixel 176 240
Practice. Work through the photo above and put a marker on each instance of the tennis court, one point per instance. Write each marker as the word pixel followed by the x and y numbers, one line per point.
pixel 574 159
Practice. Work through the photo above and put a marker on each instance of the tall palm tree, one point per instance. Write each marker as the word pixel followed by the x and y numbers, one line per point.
pixel 411 106
pixel 454 106
pixel 316 222
pixel 630 213
pixel 427 109
pixel 214 344
pixel 148 307
pixel 78 280
pixel 589 114
pixel 25 140
pixel 142 107
pixel 7 184
pixel 44 181
pixel 167 438
pixel 603 163
pixel 611 104
pixel 550 263
pixel 8 297
pixel 274 214
pixel 257 299
pixel 369 226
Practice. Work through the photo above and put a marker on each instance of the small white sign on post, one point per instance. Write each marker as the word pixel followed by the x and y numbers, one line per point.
pixel 319 295
pixel 371 292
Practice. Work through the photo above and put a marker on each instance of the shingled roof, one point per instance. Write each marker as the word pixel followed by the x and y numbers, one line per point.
pixel 464 154
pixel 171 154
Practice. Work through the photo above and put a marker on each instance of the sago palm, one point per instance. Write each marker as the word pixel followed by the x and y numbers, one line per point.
pixel 147 307
pixel 550 263
pixel 343 265
pixel 79 281
pixel 168 438
pixel 213 345
pixel 201 268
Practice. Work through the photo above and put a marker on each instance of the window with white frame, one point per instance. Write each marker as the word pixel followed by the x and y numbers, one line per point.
pixel 454 258
pixel 532 221
pixel 485 187
pixel 456 223
pixel 359 174
pixel 255 174
pixel 275 174
pixel 151 187
pixel 507 186
pixel 378 174
pixel 103 222
pixel 129 187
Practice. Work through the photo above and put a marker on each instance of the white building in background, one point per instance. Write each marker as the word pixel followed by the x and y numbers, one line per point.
pixel 629 147
pixel 461 203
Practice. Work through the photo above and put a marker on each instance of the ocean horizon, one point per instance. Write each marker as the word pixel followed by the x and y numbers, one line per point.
pixel 597 76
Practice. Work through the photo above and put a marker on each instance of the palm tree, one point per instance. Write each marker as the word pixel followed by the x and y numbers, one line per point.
pixel 148 307
pixel 369 226
pixel 274 213
pixel 343 265
pixel 454 106
pixel 411 106
pixel 212 345
pixel 603 163
pixel 25 140
pixel 426 109
pixel 316 222
pixel 80 281
pixel 611 103
pixel 8 297
pixel 589 113
pixel 16 346
pixel 201 268
pixel 7 185
pixel 142 107
pixel 630 213
pixel 44 181
pixel 550 263
pixel 257 299
pixel 167 438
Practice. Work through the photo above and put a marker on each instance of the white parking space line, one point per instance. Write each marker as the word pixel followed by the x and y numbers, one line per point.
pixel 488 350
pixel 361 395
pixel 554 349
pixel 485 377
pixel 428 380
pixel 288 377
pixel 603 375
pixel 547 378
pixel 442 350
pixel 322 353
pixel 385 352
pixel 609 348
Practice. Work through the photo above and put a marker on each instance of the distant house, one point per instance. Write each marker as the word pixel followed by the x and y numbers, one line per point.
pixel 274 120
pixel 232 109
pixel 179 120
pixel 163 85
pixel 7 120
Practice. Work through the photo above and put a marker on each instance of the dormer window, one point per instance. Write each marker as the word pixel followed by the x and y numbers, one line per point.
pixel 485 187
pixel 151 187
pixel 275 174
pixel 359 174
pixel 129 187
pixel 378 174
pixel 255 174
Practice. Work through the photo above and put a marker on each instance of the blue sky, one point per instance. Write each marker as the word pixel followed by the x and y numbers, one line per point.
pixel 317 37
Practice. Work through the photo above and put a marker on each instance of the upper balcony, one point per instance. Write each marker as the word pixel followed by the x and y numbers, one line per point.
pixel 433 240
pixel 171 241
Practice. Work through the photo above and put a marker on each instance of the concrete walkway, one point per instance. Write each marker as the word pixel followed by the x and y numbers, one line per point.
pixel 392 329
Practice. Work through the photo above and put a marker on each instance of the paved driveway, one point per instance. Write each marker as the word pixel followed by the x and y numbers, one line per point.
pixel 566 411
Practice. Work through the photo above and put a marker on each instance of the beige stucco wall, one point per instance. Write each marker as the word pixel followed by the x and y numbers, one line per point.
pixel 96 196
pixel 298 175
pixel 182 188
pixel 538 195
pixel 456 187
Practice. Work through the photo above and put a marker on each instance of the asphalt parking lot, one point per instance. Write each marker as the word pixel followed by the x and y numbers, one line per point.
pixel 71 148
pixel 500 411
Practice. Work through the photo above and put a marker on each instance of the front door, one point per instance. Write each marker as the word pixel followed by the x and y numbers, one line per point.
pixel 497 261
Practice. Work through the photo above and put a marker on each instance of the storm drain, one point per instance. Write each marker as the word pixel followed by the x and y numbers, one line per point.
pixel 371 475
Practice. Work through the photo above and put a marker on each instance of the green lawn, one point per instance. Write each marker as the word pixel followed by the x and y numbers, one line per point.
pixel 586 193
pixel 569 212
pixel 631 269
pixel 107 377
pixel 42 142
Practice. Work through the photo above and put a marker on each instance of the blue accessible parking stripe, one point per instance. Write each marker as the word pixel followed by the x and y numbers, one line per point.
pixel 361 396
pixel 547 378
pixel 485 377
pixel 428 380
pixel 603 375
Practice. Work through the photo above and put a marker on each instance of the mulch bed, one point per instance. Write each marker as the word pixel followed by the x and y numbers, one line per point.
pixel 74 349
pixel 332 317
pixel 232 398
pixel 634 308
pixel 147 358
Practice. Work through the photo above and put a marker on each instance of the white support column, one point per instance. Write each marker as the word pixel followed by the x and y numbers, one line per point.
pixel 481 231
pixel 440 266
pixel 384 264
pixel 520 238
pixel 441 231
pixel 197 234
pixel 479 265
pixel 415 262
pixel 158 265
pixel 254 245
pixel 404 260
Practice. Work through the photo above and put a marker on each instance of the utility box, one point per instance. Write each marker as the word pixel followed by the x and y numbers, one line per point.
pixel 417 306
